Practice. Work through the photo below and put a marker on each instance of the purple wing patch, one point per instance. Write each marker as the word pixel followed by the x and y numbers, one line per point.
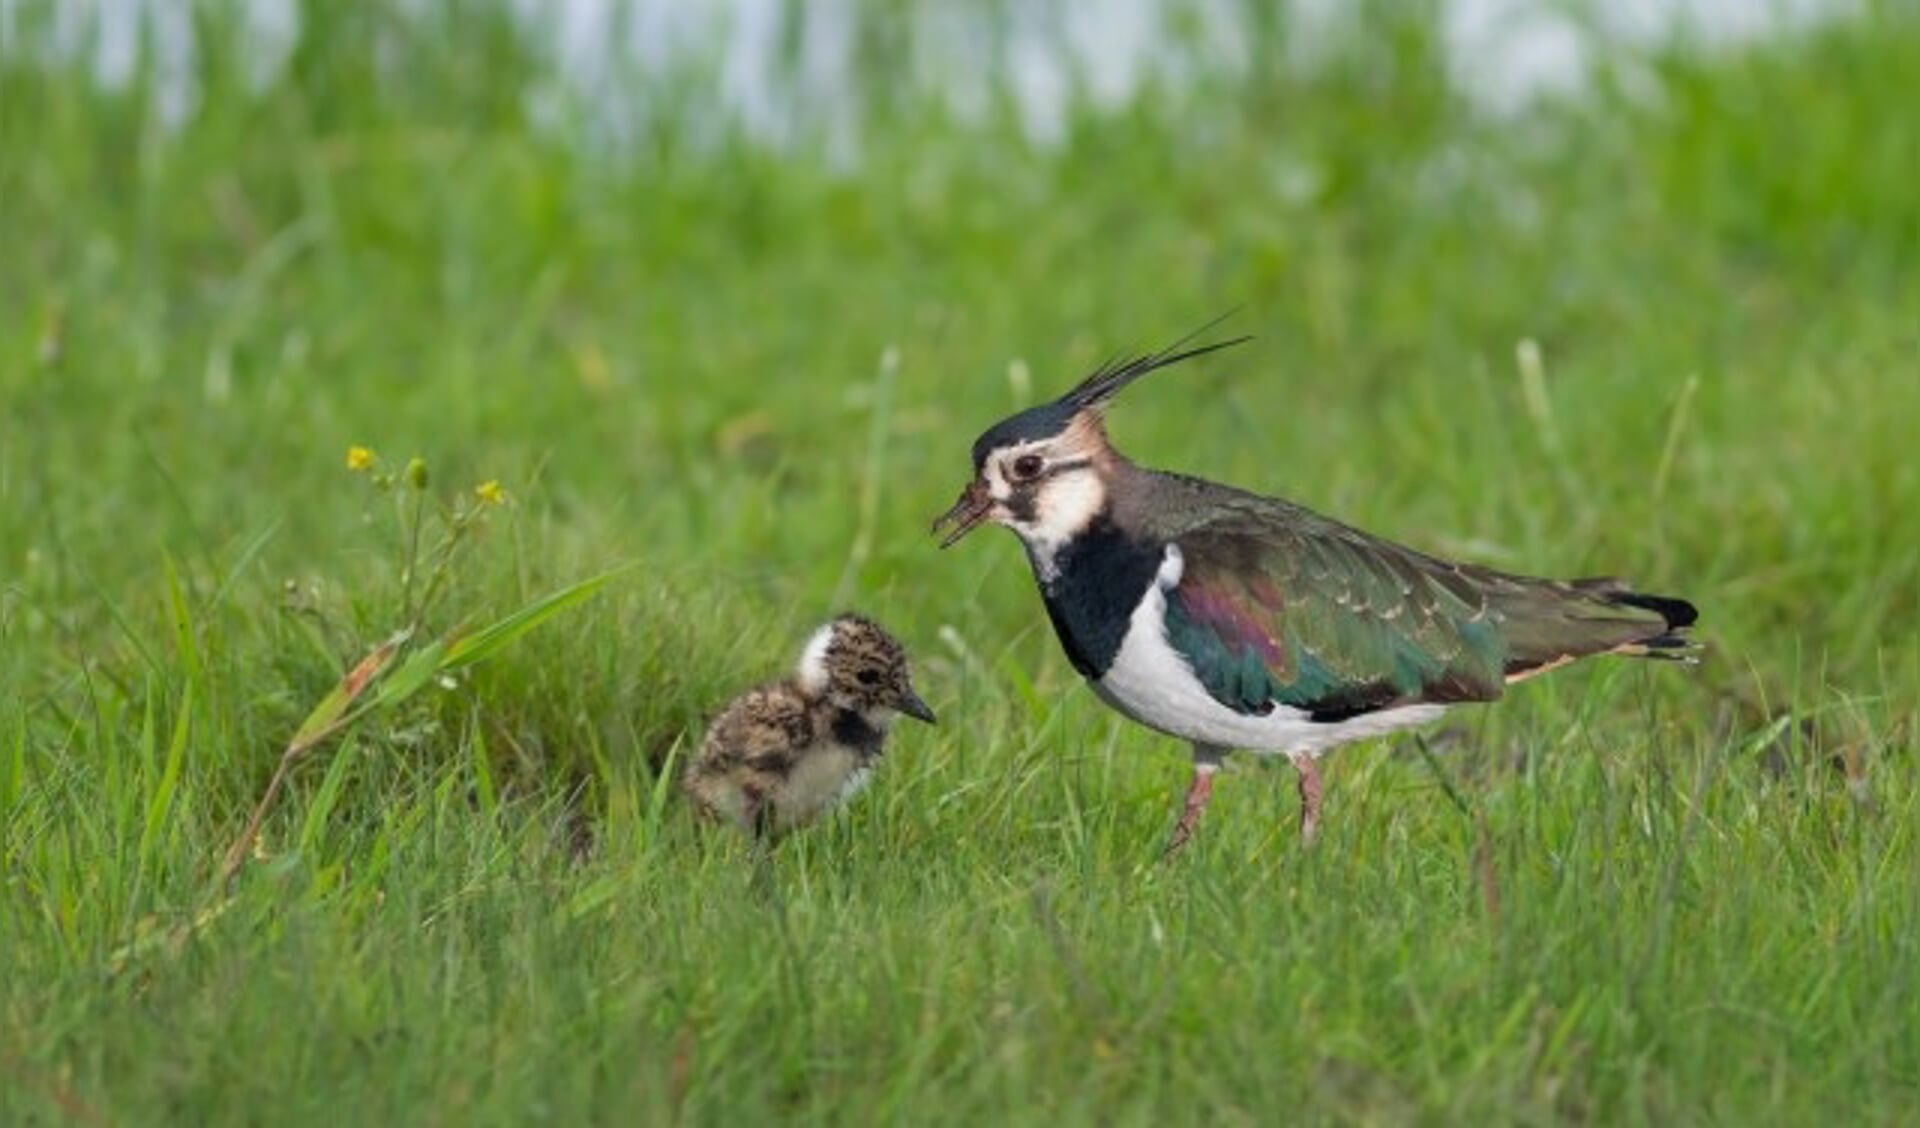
pixel 1242 617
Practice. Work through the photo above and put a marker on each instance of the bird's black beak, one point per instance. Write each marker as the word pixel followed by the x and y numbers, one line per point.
pixel 912 706
pixel 967 513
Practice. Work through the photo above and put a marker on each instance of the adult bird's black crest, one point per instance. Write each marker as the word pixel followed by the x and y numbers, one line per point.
pixel 1108 380
pixel 1092 393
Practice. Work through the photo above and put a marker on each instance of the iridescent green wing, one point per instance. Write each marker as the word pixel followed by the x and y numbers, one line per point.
pixel 1278 605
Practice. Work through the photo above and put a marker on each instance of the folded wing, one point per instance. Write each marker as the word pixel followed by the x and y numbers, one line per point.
pixel 1277 605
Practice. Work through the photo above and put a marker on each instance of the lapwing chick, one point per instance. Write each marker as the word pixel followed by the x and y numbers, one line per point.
pixel 1236 621
pixel 782 754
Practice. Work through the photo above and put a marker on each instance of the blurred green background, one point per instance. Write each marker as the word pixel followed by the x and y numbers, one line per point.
pixel 728 291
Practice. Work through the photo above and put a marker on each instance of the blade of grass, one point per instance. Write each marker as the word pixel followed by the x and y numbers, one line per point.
pixel 160 803
pixel 411 676
pixel 327 796
pixel 327 714
pixel 495 637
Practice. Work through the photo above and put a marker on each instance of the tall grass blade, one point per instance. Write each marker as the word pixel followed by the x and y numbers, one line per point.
pixel 160 803
pixel 495 637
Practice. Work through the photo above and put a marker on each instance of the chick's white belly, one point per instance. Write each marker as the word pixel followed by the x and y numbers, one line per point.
pixel 1150 682
pixel 824 778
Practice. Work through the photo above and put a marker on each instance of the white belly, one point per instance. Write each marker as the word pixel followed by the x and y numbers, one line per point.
pixel 825 777
pixel 1150 682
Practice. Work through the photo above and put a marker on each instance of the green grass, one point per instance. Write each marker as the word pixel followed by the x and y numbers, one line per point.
pixel 1672 895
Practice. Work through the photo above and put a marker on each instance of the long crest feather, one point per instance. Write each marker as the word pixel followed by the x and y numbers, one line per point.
pixel 1107 380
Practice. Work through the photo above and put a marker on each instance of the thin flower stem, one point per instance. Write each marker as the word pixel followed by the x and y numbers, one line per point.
pixel 413 555
pixel 441 568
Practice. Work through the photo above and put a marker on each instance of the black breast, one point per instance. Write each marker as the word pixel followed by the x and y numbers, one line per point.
pixel 1102 576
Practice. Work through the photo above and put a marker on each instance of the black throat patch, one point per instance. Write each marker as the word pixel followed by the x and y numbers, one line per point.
pixel 854 731
pixel 1102 575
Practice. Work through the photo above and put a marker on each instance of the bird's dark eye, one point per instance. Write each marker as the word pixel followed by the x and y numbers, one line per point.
pixel 1028 466
pixel 867 677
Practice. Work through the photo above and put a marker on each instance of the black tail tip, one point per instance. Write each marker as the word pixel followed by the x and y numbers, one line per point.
pixel 1677 612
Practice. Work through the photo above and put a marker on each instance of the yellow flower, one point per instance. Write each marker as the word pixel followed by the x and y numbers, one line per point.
pixel 359 458
pixel 490 492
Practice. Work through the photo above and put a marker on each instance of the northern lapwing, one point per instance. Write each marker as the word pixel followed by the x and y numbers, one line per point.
pixel 782 754
pixel 1236 621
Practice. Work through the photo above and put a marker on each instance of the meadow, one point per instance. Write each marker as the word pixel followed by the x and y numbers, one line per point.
pixel 1666 328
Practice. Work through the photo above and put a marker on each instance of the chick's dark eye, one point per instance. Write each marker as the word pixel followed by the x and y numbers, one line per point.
pixel 1028 466
pixel 867 677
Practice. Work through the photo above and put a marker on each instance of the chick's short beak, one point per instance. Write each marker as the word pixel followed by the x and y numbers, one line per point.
pixel 912 706
pixel 967 513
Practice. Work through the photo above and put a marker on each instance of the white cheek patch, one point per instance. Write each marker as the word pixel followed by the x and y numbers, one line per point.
pixel 1063 508
pixel 813 661
pixel 1066 505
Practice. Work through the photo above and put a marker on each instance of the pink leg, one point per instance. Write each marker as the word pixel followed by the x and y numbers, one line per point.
pixel 1310 792
pixel 1199 792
